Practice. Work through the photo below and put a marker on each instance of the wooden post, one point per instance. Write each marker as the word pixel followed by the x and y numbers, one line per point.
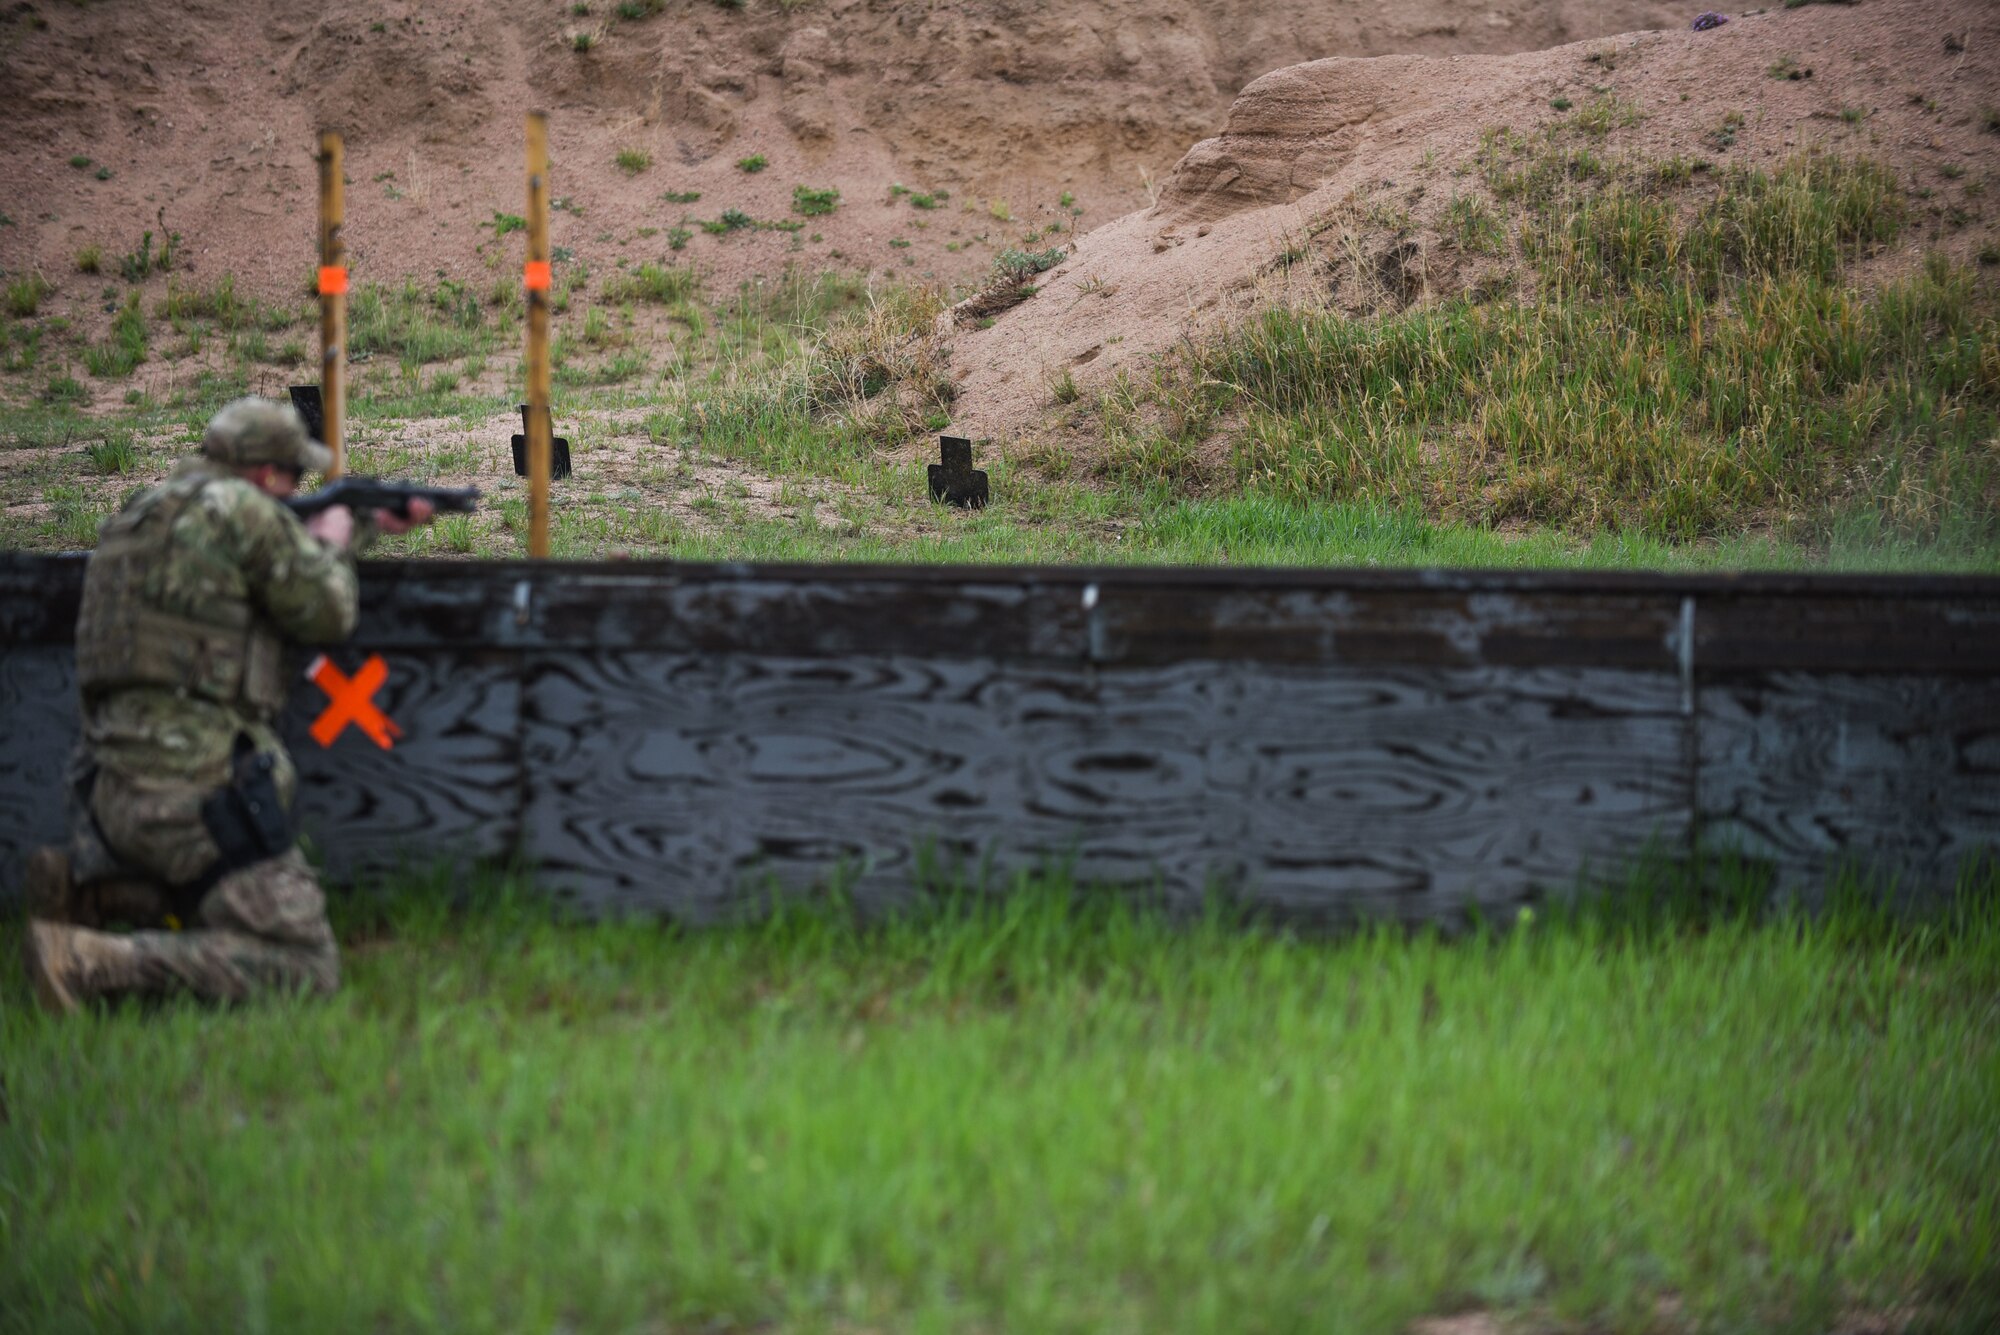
pixel 332 298
pixel 535 277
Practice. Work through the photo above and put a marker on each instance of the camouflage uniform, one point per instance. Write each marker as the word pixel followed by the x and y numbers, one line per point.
pixel 189 602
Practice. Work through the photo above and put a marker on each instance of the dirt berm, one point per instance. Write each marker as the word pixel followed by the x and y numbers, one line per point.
pixel 199 118
pixel 1333 179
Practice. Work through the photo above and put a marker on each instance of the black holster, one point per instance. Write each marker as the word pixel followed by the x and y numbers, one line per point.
pixel 246 819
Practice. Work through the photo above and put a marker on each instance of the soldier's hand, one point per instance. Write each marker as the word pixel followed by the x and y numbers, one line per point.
pixel 421 510
pixel 333 526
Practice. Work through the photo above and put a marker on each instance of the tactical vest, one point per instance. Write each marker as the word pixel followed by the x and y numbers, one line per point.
pixel 226 652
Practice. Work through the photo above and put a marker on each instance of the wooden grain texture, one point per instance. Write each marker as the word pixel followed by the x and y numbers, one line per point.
pixel 449 790
pixel 668 738
pixel 1899 774
pixel 677 783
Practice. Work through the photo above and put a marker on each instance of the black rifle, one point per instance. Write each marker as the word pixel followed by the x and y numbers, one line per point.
pixel 363 494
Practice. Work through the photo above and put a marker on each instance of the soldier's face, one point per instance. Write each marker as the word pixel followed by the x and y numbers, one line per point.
pixel 272 480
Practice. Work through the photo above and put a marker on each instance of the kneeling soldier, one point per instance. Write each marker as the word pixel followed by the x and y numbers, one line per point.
pixel 180 788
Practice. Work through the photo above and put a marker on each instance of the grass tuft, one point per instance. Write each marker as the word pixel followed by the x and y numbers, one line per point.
pixel 120 354
pixel 25 294
pixel 814 203
pixel 662 283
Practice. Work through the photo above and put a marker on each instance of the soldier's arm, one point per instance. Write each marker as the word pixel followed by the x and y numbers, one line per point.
pixel 305 586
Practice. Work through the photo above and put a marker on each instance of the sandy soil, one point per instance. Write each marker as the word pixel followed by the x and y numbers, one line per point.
pixel 1315 155
pixel 203 115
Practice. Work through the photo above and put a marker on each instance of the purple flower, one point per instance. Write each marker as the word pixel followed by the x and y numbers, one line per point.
pixel 1711 19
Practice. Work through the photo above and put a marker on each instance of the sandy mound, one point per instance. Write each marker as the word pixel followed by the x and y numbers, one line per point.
pixel 199 117
pixel 1365 157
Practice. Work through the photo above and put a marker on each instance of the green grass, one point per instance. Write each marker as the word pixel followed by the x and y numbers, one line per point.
pixel 753 164
pixel 1683 374
pixel 1031 1113
pixel 665 284
pixel 417 326
pixel 1471 225
pixel 632 161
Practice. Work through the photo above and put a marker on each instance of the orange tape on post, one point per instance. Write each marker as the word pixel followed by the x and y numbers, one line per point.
pixel 535 274
pixel 333 280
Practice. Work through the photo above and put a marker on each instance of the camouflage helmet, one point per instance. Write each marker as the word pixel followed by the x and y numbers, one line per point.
pixel 256 431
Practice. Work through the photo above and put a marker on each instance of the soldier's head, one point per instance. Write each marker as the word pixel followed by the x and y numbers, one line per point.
pixel 266 443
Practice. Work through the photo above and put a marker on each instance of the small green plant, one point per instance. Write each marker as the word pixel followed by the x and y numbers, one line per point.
pixel 90 259
pixel 1470 224
pixel 998 209
pixel 503 223
pixel 1785 67
pixel 113 454
pixel 753 164
pixel 1951 171
pixel 79 161
pixel 632 161
pixel 1066 200
pixel 930 200
pixel 65 389
pixel 582 41
pixel 1023 264
pixel 104 173
pixel 1561 103
pixel 633 10
pixel 899 243
pixel 134 266
pixel 580 10
pixel 1724 135
pixel 1853 115
pixel 732 220
pixel 681 196
pixel 1063 388
pixel 24 295
pixel 814 203
pixel 678 237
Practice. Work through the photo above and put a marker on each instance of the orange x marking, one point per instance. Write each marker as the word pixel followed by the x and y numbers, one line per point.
pixel 352 700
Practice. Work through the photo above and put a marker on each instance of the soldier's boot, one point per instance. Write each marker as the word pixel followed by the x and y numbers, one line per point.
pixel 54 895
pixel 70 965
